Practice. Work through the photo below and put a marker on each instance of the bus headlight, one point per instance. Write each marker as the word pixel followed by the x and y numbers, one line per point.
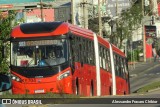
pixel 13 77
pixel 64 75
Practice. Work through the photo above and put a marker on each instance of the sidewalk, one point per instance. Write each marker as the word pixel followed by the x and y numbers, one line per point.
pixel 138 67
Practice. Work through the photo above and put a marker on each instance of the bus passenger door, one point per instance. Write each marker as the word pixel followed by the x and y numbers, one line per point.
pixel 74 55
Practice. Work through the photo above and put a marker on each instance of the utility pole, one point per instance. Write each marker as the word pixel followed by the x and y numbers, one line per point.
pixel 143 7
pixel 72 10
pixel 116 7
pixel 99 17
pixel 41 8
pixel 155 9
pixel 143 35
pixel 85 14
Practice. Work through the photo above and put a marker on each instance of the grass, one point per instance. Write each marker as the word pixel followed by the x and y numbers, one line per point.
pixel 149 87
pixel 47 95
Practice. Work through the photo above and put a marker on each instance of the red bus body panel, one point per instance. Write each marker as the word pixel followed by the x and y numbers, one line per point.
pixel 85 75
pixel 49 84
pixel 62 29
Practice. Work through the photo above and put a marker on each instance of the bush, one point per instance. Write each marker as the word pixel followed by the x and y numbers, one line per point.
pixel 134 55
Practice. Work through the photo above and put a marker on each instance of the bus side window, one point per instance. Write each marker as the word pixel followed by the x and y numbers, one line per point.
pixel 100 56
pixel 87 52
pixel 78 48
pixel 108 64
pixel 104 59
pixel 91 52
pixel 107 61
pixel 123 69
pixel 75 50
pixel 117 69
pixel 84 51
pixel 72 52
pixel 81 51
pixel 114 57
pixel 121 66
pixel 126 69
pixel 72 44
pixel 116 65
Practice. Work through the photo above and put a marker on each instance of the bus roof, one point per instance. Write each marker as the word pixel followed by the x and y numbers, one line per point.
pixel 39 29
pixel 81 31
pixel 44 29
pixel 118 51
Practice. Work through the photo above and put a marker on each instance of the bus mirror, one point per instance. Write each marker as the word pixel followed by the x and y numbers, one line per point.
pixel 5 82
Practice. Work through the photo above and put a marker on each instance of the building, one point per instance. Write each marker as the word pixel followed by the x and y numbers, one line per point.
pixel 35 10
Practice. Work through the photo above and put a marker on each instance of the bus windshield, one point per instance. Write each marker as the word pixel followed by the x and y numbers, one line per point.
pixel 39 53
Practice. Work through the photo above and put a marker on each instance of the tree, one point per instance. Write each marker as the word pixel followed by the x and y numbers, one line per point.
pixel 5 29
pixel 130 20
pixel 93 24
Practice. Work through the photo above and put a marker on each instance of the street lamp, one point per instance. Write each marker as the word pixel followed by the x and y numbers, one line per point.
pixel 40 4
pixel 42 18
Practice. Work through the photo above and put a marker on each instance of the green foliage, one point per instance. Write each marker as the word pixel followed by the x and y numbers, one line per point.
pixel 134 55
pixel 130 20
pixel 152 86
pixel 7 94
pixel 93 25
pixel 5 29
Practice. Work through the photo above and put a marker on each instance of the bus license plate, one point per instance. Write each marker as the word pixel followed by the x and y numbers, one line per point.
pixel 39 91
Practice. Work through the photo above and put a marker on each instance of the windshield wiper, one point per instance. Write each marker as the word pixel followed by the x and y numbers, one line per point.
pixel 29 62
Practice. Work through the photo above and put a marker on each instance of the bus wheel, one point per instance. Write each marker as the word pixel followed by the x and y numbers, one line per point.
pixel 91 89
pixel 124 93
pixel 110 91
pixel 77 87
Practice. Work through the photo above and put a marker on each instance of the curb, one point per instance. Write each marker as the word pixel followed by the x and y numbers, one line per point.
pixel 154 89
pixel 36 105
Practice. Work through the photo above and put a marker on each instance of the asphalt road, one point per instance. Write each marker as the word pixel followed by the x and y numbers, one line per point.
pixel 144 78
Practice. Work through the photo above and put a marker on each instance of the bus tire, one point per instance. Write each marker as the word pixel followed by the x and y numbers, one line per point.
pixel 110 90
pixel 77 87
pixel 91 89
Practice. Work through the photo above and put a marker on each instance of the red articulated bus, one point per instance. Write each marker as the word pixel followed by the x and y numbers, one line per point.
pixel 60 57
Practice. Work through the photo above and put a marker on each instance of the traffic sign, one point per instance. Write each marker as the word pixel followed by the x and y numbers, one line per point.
pixel 149 41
